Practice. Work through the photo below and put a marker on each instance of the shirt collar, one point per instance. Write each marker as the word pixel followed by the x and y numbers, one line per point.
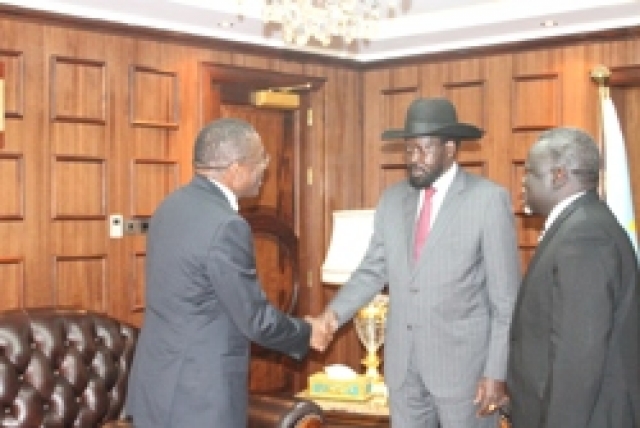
pixel 560 206
pixel 231 197
pixel 443 182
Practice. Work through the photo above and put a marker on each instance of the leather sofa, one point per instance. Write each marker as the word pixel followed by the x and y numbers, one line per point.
pixel 64 368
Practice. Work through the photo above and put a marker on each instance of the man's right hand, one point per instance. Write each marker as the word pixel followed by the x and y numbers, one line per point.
pixel 323 328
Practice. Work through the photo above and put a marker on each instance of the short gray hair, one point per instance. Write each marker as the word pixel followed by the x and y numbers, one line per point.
pixel 576 150
pixel 223 142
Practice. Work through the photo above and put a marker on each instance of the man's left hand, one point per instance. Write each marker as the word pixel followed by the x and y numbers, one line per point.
pixel 490 396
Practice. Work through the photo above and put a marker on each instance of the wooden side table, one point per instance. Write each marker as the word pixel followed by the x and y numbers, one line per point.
pixel 345 414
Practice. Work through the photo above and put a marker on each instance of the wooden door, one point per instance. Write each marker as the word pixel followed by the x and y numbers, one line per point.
pixel 226 93
pixel 269 370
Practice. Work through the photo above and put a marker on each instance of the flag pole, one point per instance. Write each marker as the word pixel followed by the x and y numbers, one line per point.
pixel 600 74
pixel 615 187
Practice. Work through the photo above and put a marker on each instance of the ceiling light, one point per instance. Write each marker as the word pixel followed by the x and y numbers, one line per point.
pixel 549 23
pixel 303 20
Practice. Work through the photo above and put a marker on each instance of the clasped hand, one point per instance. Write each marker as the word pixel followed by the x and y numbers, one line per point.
pixel 323 327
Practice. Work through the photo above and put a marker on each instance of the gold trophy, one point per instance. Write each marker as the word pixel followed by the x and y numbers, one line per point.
pixel 370 324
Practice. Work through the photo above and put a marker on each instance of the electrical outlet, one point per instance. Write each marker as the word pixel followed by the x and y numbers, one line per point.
pixel 116 226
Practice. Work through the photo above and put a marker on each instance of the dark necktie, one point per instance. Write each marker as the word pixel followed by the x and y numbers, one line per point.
pixel 423 224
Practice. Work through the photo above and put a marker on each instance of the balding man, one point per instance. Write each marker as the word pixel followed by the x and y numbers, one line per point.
pixel 574 343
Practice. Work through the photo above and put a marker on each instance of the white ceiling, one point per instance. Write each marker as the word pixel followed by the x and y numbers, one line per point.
pixel 422 26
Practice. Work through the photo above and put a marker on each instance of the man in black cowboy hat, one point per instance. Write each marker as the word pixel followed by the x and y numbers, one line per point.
pixel 452 292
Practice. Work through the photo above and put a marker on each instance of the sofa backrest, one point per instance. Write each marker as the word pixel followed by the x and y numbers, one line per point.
pixel 63 367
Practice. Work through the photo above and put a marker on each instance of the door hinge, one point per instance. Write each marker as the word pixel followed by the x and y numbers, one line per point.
pixel 309 117
pixel 309 279
pixel 309 176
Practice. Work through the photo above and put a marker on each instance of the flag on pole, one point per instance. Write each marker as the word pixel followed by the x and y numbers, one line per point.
pixel 617 184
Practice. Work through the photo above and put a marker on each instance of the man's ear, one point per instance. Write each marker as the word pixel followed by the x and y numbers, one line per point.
pixel 451 148
pixel 559 177
pixel 229 176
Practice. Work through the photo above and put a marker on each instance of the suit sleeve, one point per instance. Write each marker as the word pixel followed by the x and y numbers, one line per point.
pixel 502 266
pixel 368 279
pixel 584 285
pixel 232 272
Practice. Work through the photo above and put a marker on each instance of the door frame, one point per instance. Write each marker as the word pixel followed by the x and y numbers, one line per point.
pixel 221 83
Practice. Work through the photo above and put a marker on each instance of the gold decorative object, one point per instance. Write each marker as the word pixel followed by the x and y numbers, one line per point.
pixel 370 323
pixel 600 74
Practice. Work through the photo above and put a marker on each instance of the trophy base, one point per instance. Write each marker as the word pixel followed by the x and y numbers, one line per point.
pixel 356 389
pixel 379 388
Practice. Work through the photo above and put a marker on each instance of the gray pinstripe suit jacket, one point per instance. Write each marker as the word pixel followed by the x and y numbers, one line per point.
pixel 457 299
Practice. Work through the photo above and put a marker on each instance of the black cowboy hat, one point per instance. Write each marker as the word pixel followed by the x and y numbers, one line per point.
pixel 435 117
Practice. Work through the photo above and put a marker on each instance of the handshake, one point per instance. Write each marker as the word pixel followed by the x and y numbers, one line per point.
pixel 323 328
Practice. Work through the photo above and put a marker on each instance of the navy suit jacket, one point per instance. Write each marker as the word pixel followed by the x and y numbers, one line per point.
pixel 204 305
pixel 574 342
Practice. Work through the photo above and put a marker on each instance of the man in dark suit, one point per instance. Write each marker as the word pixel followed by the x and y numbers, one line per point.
pixel 204 303
pixel 574 358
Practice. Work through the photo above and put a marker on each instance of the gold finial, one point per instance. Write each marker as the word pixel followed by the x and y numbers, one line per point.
pixel 600 74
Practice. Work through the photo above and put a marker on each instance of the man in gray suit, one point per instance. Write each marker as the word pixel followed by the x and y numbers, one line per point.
pixel 575 357
pixel 203 301
pixel 450 306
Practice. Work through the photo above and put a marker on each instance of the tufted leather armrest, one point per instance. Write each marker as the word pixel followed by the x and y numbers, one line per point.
pixel 283 412
pixel 63 368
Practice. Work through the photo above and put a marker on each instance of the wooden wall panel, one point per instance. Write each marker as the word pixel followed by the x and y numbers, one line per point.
pixel 394 103
pixel 80 281
pixel 78 90
pixel 374 82
pixel 11 282
pixel 2 101
pixel 517 174
pixel 12 191
pixel 136 293
pixel 154 97
pixel 536 102
pixel 468 97
pixel 13 62
pixel 152 180
pixel 78 188
pixel 475 167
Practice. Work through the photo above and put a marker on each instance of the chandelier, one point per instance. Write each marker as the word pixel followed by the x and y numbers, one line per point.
pixel 302 20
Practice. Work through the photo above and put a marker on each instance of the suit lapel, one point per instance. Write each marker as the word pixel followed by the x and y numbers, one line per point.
pixel 409 213
pixel 549 234
pixel 450 205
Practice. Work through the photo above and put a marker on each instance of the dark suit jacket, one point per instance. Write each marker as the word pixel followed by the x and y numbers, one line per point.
pixel 574 342
pixel 203 307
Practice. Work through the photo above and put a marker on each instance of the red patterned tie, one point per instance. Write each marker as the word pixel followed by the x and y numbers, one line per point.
pixel 423 225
